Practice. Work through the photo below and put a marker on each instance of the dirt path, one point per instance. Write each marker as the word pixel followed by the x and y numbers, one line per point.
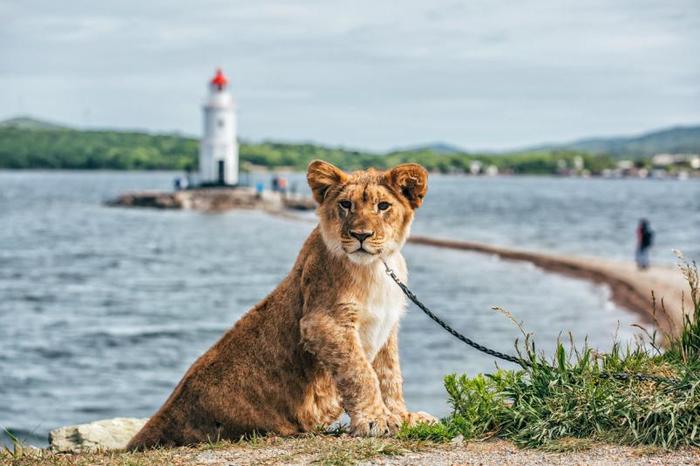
pixel 496 453
pixel 631 288
pixel 326 450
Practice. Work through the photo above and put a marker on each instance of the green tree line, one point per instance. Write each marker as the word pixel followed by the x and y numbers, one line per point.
pixel 74 149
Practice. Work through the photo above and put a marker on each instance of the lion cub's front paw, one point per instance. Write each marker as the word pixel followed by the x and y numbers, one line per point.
pixel 421 417
pixel 375 425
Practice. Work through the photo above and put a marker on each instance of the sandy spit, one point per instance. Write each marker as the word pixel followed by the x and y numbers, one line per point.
pixel 632 289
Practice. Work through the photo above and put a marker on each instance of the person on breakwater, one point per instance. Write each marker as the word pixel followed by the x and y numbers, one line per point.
pixel 282 185
pixel 180 183
pixel 645 238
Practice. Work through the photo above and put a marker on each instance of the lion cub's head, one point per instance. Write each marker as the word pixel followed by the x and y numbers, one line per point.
pixel 366 215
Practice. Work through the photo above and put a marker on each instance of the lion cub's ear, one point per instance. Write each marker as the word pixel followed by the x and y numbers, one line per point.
pixel 323 175
pixel 411 181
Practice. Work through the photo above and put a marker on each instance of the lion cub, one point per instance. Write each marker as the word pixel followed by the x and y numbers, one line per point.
pixel 325 340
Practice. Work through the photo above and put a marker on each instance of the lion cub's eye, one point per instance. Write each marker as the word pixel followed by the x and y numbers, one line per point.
pixel 383 205
pixel 345 204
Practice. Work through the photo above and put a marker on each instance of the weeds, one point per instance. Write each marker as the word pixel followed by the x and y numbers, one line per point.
pixel 566 402
pixel 17 449
pixel 361 450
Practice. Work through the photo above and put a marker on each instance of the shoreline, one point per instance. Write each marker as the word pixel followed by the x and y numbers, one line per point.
pixel 631 288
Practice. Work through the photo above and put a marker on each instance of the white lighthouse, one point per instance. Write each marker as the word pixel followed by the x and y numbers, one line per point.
pixel 218 149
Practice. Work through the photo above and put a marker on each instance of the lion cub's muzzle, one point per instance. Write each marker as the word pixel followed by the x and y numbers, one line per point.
pixel 361 242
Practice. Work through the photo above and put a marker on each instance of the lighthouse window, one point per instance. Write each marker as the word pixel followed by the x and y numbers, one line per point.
pixel 220 123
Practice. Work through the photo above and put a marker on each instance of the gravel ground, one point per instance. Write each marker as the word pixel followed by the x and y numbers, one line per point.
pixel 482 453
pixel 326 450
pixel 504 453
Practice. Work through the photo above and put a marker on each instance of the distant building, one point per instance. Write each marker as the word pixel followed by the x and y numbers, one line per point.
pixel 625 164
pixel 475 167
pixel 676 163
pixel 663 160
pixel 218 149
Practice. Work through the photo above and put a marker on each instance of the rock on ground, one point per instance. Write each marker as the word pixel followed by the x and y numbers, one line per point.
pixel 108 434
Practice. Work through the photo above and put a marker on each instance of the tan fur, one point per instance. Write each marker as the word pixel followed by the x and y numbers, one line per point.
pixel 325 340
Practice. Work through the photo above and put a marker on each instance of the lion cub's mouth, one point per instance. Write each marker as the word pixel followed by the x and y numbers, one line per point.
pixel 362 250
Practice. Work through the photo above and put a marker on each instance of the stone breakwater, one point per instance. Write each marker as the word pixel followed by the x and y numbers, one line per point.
pixel 659 294
pixel 215 200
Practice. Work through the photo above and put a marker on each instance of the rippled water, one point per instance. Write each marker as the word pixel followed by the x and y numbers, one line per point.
pixel 103 309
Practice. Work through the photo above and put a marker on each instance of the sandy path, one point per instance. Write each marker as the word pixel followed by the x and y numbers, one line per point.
pixel 631 288
pixel 327 450
pixel 496 453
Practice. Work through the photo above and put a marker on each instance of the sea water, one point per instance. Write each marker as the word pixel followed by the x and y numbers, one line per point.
pixel 103 309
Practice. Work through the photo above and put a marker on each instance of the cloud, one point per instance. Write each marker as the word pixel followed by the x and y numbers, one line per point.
pixel 367 74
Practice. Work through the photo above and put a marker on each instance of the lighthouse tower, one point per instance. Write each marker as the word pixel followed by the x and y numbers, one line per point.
pixel 218 149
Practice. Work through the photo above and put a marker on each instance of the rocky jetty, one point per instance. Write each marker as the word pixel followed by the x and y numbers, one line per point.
pixel 215 200
pixel 108 434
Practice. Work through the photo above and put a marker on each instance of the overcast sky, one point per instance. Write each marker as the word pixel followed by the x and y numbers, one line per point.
pixel 368 74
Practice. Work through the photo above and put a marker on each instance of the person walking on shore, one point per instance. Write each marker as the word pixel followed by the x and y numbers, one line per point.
pixel 645 238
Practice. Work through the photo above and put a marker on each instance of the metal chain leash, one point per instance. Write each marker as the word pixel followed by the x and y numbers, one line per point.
pixel 508 357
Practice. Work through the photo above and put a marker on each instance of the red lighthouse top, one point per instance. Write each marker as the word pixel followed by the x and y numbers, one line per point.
pixel 219 80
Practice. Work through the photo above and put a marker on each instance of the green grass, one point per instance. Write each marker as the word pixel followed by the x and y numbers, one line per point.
pixel 361 450
pixel 556 401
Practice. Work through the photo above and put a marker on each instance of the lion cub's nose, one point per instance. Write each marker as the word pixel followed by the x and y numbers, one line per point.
pixel 361 235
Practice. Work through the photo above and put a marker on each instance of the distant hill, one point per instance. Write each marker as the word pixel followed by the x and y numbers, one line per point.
pixel 25 122
pixel 437 147
pixel 676 140
pixel 31 143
